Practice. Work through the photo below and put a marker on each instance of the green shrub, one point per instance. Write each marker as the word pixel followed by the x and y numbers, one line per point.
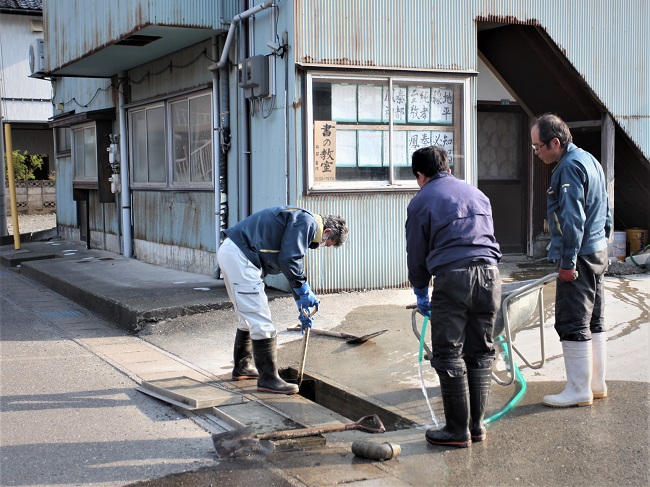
pixel 25 165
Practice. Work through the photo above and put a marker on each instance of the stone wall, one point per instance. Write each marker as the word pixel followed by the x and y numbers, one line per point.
pixel 33 197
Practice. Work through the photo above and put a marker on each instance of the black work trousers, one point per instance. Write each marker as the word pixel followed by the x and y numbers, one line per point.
pixel 464 307
pixel 580 304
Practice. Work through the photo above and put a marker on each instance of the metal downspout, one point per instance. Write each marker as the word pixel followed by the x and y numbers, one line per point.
pixel 243 138
pixel 244 134
pixel 3 189
pixel 216 152
pixel 127 236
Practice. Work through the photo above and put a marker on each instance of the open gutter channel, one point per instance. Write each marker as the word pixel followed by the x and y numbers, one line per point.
pixel 344 402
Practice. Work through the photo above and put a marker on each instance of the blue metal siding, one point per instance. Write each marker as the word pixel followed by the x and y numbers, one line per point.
pixel 374 255
pixel 99 23
pixel 183 219
pixel 608 44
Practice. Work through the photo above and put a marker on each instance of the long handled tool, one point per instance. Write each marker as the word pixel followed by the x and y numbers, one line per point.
pixel 351 339
pixel 231 443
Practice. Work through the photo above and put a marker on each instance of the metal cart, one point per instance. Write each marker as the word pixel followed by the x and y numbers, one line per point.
pixel 519 301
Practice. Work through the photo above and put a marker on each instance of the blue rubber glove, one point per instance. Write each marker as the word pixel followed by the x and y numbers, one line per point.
pixel 305 322
pixel 306 298
pixel 424 305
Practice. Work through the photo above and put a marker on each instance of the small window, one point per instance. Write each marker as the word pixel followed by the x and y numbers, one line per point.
pixel 171 143
pixel 62 138
pixel 362 131
pixel 84 153
pixel 192 140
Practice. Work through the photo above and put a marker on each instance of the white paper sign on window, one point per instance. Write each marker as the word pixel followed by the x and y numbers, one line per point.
pixel 444 139
pixel 399 105
pixel 370 103
pixel 419 104
pixel 442 106
pixel 324 151
pixel 417 139
pixel 346 145
pixel 344 102
pixel 399 149
pixel 370 148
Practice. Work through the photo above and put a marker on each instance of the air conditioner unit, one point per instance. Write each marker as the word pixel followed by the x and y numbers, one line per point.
pixel 37 57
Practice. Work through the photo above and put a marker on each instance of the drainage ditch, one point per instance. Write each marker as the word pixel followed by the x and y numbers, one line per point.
pixel 344 402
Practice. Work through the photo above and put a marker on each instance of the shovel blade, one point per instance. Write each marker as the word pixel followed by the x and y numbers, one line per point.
pixel 235 442
pixel 364 338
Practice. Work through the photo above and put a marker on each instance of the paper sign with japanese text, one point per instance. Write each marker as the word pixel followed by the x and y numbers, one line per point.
pixel 324 151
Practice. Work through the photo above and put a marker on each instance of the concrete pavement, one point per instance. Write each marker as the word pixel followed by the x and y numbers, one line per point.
pixel 185 325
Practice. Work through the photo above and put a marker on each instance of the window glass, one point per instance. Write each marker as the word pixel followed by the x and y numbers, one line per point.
pixel 148 145
pixel 156 144
pixel 84 153
pixel 186 151
pixel 201 138
pixel 363 130
pixel 63 143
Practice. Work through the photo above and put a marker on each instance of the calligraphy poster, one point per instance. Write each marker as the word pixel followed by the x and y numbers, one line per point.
pixel 442 106
pixel 324 151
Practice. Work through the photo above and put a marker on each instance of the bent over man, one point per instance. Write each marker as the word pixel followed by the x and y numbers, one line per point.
pixel 271 241
pixel 580 222
pixel 450 236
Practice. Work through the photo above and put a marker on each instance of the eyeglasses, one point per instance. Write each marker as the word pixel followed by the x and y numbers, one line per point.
pixel 536 148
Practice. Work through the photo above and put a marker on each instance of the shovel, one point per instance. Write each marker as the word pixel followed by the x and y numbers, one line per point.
pixel 231 443
pixel 351 339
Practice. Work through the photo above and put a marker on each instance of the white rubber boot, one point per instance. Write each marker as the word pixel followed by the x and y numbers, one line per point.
pixel 599 352
pixel 577 361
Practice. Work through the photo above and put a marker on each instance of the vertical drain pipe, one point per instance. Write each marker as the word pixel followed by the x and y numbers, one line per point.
pixel 216 152
pixel 245 153
pixel 124 169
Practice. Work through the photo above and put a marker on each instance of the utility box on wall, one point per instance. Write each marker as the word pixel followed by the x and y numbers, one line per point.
pixel 253 76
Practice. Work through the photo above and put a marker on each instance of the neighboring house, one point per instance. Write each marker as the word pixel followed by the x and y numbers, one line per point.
pixel 25 102
pixel 226 107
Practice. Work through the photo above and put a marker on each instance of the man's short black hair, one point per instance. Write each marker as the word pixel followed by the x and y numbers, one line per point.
pixel 430 161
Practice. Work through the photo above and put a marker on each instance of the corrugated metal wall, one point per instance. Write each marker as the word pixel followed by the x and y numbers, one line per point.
pixel 115 19
pixel 374 255
pixel 609 45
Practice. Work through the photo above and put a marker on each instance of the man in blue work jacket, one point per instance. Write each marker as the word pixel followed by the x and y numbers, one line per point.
pixel 271 241
pixel 580 222
pixel 450 236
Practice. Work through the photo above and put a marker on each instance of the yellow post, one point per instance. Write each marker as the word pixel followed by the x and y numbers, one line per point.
pixel 12 186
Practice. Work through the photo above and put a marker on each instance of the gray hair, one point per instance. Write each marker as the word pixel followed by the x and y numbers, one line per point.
pixel 551 126
pixel 339 229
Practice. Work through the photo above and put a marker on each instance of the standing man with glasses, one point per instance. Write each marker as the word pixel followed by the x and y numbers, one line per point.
pixel 580 222
pixel 450 235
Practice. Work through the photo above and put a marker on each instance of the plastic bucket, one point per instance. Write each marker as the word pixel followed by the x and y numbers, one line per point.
pixel 637 238
pixel 618 246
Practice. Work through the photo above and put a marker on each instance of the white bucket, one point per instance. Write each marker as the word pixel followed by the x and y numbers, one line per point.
pixel 619 245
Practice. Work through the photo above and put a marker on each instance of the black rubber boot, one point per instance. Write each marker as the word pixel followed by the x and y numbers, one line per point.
pixel 243 355
pixel 479 381
pixel 455 400
pixel 265 352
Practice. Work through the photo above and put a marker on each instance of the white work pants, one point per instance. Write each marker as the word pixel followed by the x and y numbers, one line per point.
pixel 246 291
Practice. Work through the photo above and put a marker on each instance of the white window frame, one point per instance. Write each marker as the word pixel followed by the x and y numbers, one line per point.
pixel 391 184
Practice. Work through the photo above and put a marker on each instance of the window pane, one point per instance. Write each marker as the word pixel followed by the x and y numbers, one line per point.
pixel 181 143
pixel 62 139
pixel 90 153
pixel 201 138
pixel 139 146
pixel 364 131
pixel 78 154
pixel 156 144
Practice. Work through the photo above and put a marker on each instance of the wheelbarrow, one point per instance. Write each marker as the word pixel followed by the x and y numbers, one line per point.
pixel 519 301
